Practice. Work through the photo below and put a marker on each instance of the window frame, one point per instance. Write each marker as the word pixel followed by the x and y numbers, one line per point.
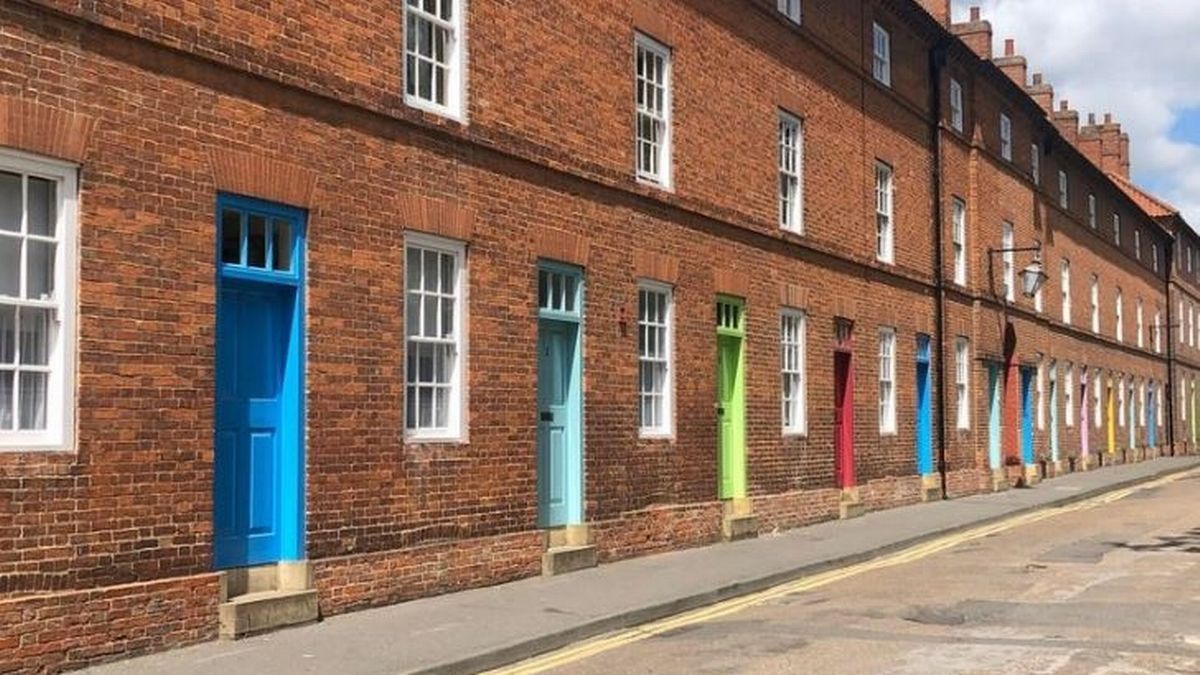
pixel 799 426
pixel 881 54
pixel 1006 137
pixel 957 111
pixel 791 208
pixel 962 383
pixel 1094 299
pixel 1116 225
pixel 958 215
pixel 456 87
pixel 667 428
pixel 1092 216
pixel 455 430
pixel 887 381
pixel 665 177
pixel 59 434
pixel 1140 323
pixel 885 216
pixel 792 10
pixel 1064 190
pixel 1137 244
pixel 1008 261
pixel 1064 280
pixel 1119 317
pixel 1035 163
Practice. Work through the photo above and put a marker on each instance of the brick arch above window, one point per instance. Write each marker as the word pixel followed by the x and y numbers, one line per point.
pixel 44 130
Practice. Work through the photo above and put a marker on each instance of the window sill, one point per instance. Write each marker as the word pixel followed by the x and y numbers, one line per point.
pixel 656 436
pixel 444 112
pixel 434 439
pixel 655 183
pixel 795 435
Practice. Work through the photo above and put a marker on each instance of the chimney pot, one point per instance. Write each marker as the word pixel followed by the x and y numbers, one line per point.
pixel 975 13
pixel 1063 105
pixel 1037 78
pixel 1010 47
pixel 1091 119
pixel 1108 118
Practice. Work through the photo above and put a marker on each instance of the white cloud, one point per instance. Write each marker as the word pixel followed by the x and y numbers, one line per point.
pixel 1138 59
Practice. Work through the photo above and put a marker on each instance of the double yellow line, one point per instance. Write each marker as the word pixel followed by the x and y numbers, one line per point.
pixel 590 648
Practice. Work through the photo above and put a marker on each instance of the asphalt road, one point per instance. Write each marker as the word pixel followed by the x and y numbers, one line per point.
pixel 1109 589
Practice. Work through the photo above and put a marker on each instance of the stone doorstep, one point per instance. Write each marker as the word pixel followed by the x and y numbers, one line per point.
pixel 999 480
pixel 931 487
pixel 1033 475
pixel 265 597
pixel 850 505
pixel 738 520
pixel 266 610
pixel 567 549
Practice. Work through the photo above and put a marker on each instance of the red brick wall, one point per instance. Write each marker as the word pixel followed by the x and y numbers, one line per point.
pixel 388 520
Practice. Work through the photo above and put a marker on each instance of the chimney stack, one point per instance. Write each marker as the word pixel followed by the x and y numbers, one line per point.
pixel 939 9
pixel 976 33
pixel 1067 122
pixel 1041 92
pixel 1012 64
pixel 1106 145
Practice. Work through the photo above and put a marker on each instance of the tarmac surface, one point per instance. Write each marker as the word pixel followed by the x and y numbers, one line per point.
pixel 492 627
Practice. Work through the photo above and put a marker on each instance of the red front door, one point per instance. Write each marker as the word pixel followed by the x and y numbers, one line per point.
pixel 843 419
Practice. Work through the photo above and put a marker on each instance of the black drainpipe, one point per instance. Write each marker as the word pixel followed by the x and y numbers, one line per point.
pixel 1169 335
pixel 937 61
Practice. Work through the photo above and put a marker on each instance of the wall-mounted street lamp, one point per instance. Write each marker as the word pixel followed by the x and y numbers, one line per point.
pixel 1033 277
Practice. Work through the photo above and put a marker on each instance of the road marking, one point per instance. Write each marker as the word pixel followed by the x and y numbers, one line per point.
pixel 595 646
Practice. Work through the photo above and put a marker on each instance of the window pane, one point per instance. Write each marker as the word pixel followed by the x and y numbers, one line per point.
pixel 281 243
pixel 39 282
pixel 424 407
pixel 256 241
pixel 447 273
pixel 447 318
pixel 441 407
pixel 425 363
pixel 412 314
pixel 231 237
pixel 431 271
pixel 8 337
pixel 10 202
pixel 6 399
pixel 431 316
pixel 35 336
pixel 543 292
pixel 41 207
pixel 32 402
pixel 10 266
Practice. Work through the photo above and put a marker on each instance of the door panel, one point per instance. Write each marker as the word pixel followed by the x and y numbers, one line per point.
pixel 994 450
pixel 559 443
pixel 253 338
pixel 924 421
pixel 1026 416
pixel 843 420
pixel 731 440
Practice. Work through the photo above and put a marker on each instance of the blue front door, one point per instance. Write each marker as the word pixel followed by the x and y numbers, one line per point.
pixel 560 425
pixel 258 464
pixel 1027 415
pixel 924 409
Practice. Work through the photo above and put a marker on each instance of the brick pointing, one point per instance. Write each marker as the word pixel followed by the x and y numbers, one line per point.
pixel 253 175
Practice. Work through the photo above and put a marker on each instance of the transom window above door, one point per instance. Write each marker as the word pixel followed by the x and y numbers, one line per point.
pixel 558 291
pixel 256 238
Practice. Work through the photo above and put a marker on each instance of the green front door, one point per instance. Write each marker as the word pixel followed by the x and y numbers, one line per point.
pixel 731 399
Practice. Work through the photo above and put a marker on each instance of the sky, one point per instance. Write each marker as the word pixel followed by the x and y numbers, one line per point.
pixel 1137 59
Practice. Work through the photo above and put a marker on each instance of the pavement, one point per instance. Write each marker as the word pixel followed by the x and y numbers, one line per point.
pixel 1104 586
pixel 486 628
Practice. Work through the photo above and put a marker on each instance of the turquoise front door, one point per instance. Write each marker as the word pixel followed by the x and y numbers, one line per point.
pixel 560 409
pixel 924 409
pixel 258 461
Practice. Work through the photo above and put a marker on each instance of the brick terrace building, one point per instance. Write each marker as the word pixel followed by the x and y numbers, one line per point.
pixel 327 306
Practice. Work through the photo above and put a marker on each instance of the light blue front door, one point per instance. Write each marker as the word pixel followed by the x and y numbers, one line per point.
pixel 258 463
pixel 1152 416
pixel 560 410
pixel 994 416
pixel 924 409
